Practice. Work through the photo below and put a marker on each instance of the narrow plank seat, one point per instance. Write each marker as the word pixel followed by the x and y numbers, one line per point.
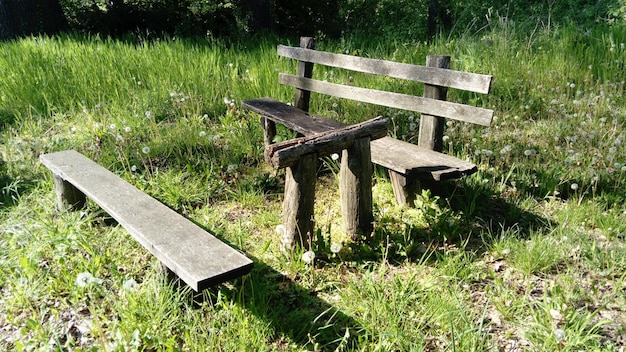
pixel 194 255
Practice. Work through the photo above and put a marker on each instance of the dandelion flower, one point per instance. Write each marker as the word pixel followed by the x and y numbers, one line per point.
pixel 335 156
pixel 148 114
pixel 202 133
pixel 559 334
pixel 280 229
pixel 445 139
pixel 133 168
pixel 112 126
pixel 85 279
pixel 574 186
pixel 126 129
pixel 231 168
pixel 145 150
pixel 529 152
pixel 335 247
pixel 130 284
pixel 308 257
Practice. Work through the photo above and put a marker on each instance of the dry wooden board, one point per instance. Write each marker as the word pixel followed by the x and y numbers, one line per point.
pixel 403 157
pixel 430 75
pixel 409 159
pixel 195 256
pixel 442 108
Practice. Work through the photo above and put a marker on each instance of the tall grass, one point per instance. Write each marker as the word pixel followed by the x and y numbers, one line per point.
pixel 526 254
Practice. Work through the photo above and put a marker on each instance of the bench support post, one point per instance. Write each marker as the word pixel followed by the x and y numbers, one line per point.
pixel 68 196
pixel 430 137
pixel 355 189
pixel 269 130
pixel 298 205
pixel 305 69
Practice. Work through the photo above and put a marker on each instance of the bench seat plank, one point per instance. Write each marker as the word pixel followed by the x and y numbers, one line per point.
pixel 403 157
pixel 198 258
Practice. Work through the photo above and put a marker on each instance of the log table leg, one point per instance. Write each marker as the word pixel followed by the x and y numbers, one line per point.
pixel 299 201
pixel 355 189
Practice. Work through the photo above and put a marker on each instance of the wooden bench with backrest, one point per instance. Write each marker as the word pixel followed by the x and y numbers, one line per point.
pixel 184 248
pixel 410 166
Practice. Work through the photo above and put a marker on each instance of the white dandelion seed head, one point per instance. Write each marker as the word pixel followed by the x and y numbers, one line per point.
pixel 231 168
pixel 308 257
pixel 574 186
pixel 119 138
pixel 445 139
pixel 130 284
pixel 85 279
pixel 112 126
pixel 559 334
pixel 145 150
pixel 127 129
pixel 530 152
pixel 280 229
pixel 133 168
pixel 335 156
pixel 335 247
pixel 202 133
pixel 148 114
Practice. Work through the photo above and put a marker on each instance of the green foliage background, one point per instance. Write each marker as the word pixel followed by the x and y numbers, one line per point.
pixel 386 18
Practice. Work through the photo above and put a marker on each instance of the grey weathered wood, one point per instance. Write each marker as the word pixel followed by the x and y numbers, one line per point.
pixel 287 153
pixel 431 126
pixel 298 205
pixel 410 159
pixel 403 157
pixel 456 111
pixel 68 196
pixel 292 117
pixel 472 82
pixel 355 184
pixel 305 70
pixel 269 130
pixel 198 258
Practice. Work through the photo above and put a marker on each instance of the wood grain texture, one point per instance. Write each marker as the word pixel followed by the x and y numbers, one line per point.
pixel 472 82
pixel 455 111
pixel 287 153
pixel 197 257
pixel 403 157
pixel 298 205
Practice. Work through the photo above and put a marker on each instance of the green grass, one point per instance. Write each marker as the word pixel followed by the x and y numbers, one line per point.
pixel 526 254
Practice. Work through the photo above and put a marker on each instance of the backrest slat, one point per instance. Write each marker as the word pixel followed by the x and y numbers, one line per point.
pixel 472 82
pixel 440 108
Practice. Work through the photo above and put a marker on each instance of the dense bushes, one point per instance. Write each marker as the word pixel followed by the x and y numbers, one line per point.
pixel 415 20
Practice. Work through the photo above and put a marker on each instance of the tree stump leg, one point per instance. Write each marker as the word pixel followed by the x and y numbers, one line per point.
pixel 299 202
pixel 355 182
pixel 68 196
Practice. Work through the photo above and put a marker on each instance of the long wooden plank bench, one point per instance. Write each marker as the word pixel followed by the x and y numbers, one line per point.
pixel 410 166
pixel 195 256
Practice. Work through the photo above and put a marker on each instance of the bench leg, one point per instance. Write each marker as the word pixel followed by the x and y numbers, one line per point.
pixel 407 188
pixel 299 200
pixel 269 130
pixel 404 188
pixel 68 196
pixel 355 183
